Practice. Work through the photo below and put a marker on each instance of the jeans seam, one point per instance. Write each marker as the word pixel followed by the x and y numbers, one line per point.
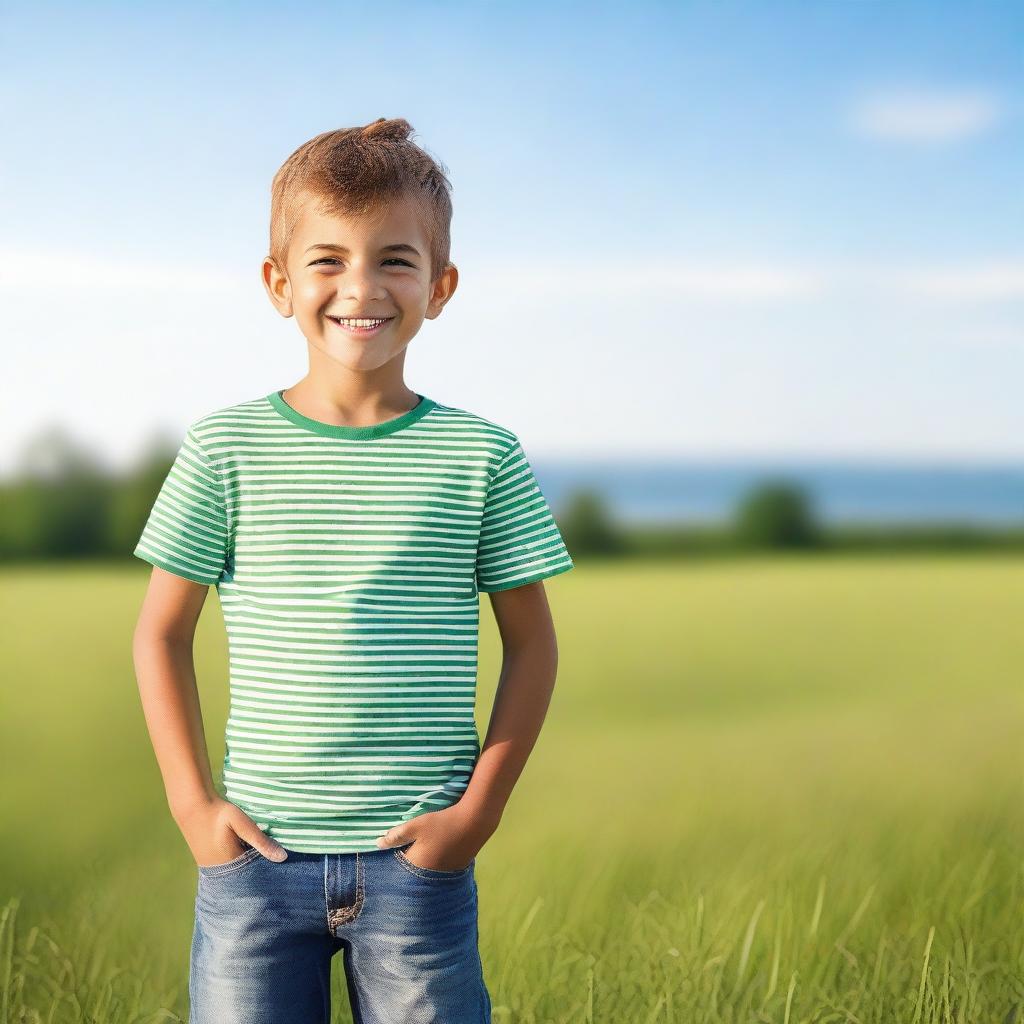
pixel 429 872
pixel 232 865
pixel 346 915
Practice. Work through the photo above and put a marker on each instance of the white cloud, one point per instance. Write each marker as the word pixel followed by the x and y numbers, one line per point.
pixel 997 281
pixel 731 281
pixel 747 283
pixel 738 282
pixel 26 268
pixel 918 116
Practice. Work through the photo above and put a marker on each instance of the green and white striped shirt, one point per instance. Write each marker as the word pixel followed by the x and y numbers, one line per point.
pixel 349 563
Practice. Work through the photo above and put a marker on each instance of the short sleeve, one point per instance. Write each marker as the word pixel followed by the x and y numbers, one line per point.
pixel 520 542
pixel 187 530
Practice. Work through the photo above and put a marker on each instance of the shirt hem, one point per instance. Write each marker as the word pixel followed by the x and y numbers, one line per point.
pixel 168 567
pixel 523 580
pixel 321 849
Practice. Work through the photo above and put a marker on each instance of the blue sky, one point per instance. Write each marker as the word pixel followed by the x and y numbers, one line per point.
pixel 695 229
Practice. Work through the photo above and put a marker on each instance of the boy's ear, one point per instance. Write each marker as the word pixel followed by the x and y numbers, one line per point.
pixel 444 289
pixel 277 285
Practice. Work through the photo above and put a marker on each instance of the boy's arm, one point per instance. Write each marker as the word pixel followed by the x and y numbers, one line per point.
pixel 529 664
pixel 527 680
pixel 165 670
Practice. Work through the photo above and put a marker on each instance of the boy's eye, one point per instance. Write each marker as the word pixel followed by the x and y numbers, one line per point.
pixel 331 259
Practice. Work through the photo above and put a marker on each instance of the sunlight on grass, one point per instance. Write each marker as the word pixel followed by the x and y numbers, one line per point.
pixel 773 790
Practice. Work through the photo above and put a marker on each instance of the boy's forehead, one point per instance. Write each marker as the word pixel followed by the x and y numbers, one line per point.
pixel 399 217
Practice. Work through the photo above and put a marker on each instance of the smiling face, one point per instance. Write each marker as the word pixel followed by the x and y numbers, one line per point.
pixel 359 287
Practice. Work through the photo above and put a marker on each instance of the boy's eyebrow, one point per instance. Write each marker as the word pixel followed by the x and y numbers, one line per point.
pixel 399 247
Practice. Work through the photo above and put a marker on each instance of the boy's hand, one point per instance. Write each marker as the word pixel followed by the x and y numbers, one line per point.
pixel 445 840
pixel 214 831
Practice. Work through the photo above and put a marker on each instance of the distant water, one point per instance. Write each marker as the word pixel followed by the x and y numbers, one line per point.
pixel 841 492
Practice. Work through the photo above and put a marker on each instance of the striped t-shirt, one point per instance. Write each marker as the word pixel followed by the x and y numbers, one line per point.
pixel 349 562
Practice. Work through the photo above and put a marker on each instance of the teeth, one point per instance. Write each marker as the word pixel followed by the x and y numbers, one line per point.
pixel 359 323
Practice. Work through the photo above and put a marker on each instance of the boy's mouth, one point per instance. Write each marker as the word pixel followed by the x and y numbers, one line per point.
pixel 361 326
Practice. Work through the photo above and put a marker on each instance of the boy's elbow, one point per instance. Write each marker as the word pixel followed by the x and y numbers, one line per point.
pixel 150 636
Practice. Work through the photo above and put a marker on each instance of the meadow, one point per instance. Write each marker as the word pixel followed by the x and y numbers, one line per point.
pixel 778 789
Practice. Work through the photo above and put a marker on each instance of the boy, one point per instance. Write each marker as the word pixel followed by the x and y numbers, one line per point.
pixel 349 525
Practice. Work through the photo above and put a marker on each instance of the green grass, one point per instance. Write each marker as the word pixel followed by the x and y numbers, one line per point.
pixel 782 790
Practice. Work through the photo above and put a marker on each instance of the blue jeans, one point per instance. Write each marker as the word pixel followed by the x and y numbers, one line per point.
pixel 265 934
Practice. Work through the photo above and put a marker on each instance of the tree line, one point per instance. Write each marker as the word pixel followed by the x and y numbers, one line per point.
pixel 63 504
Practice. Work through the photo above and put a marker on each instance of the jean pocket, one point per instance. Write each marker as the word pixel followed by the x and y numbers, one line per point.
pixel 429 872
pixel 245 857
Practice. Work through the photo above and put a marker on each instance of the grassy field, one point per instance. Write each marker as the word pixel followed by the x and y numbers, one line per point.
pixel 774 790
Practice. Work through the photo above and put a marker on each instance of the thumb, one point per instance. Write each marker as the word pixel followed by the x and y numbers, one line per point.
pixel 393 838
pixel 256 837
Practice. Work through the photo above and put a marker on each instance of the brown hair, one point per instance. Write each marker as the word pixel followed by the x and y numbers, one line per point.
pixel 355 171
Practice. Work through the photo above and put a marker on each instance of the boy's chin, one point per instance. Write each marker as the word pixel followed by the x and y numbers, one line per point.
pixel 359 358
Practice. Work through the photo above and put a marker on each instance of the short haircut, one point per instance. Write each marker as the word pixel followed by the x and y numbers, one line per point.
pixel 358 171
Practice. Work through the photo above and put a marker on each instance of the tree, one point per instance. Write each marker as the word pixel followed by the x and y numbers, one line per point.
pixel 776 513
pixel 587 526
pixel 58 502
